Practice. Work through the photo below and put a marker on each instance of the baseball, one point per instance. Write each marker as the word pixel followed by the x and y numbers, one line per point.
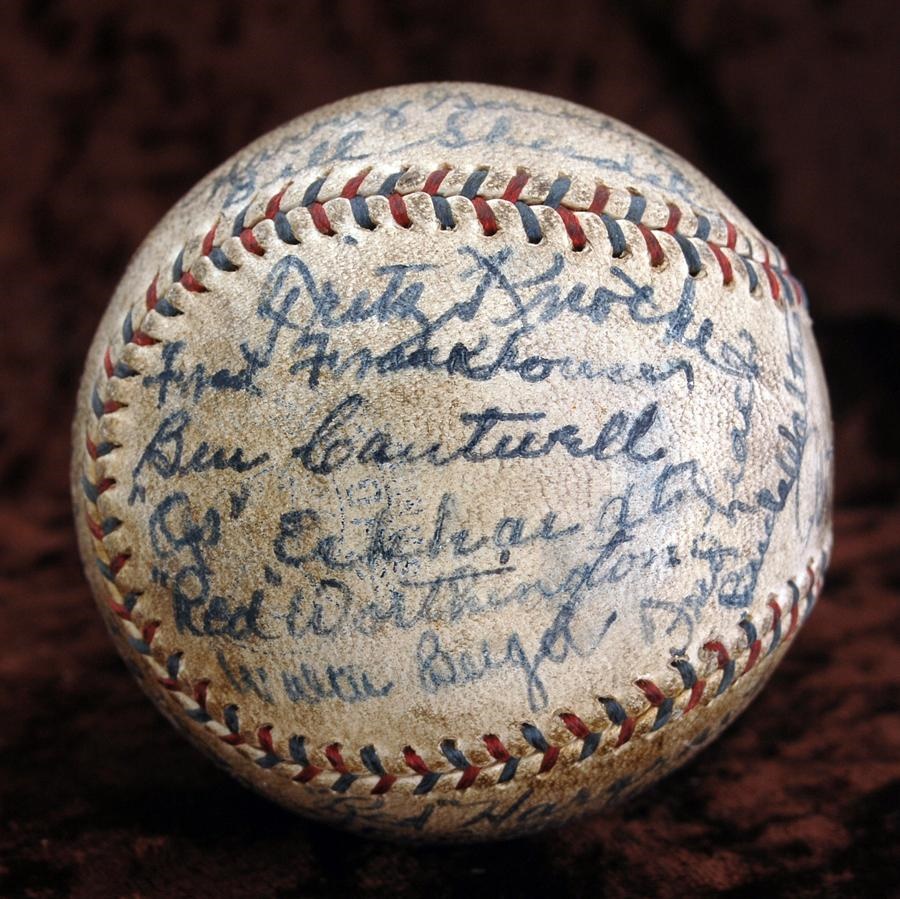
pixel 452 462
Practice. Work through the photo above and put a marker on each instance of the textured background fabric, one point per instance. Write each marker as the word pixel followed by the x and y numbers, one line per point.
pixel 111 111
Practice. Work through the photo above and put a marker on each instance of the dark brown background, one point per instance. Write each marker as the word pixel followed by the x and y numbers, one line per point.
pixel 111 111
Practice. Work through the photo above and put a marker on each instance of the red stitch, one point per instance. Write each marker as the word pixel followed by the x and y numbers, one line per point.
pixel 335 759
pixel 91 447
pixel 117 563
pixel 720 651
pixel 724 264
pixel 232 739
pixel 657 256
pixel 111 406
pixel 671 225
pixel 601 198
pixel 152 298
pixel 414 761
pixel 795 616
pixel 812 578
pixel 251 244
pixel 755 649
pixel 385 782
pixel 170 683
pixel 264 736
pixel 774 286
pixel 575 725
pixel 310 772
pixel 108 365
pixel 148 631
pixel 468 777
pixel 201 688
pixel 696 695
pixel 731 235
pixel 104 485
pixel 515 187
pixel 399 211
pixel 496 748
pixel 625 732
pixel 140 338
pixel 189 282
pixel 776 612
pixel 352 186
pixel 320 218
pixel 434 180
pixel 118 608
pixel 485 216
pixel 573 228
pixel 208 241
pixel 273 207
pixel 549 760
pixel 654 695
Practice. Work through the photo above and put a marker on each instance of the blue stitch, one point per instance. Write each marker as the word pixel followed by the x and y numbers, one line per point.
pixel 509 770
pixel 90 491
pixel 360 209
pixel 663 713
pixel 443 212
pixel 614 710
pixel 615 234
pixel 173 664
pixel 96 403
pixel 703 228
pixel 297 750
pixel 390 184
pixel 343 783
pixel 749 629
pixel 687 672
pixel 473 184
pixel 218 258
pixel 636 207
pixel 590 744
pixel 199 715
pixel 121 370
pixel 129 601
pixel 371 760
pixel 690 253
pixel 558 189
pixel 727 677
pixel 284 230
pixel 238 225
pixel 140 645
pixel 268 760
pixel 106 571
pixel 103 449
pixel 127 328
pixel 751 273
pixel 108 525
pixel 453 755
pixel 530 223
pixel 312 192
pixel 230 714
pixel 427 783
pixel 178 266
pixel 164 305
pixel 776 635
pixel 535 738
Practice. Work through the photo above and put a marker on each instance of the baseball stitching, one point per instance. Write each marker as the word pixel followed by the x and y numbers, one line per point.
pixel 378 201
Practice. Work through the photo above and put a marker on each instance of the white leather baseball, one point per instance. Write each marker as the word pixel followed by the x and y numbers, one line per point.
pixel 453 461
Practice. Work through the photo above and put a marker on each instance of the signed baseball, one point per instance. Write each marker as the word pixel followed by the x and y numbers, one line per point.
pixel 452 462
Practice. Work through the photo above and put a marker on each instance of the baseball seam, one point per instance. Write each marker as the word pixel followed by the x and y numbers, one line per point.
pixel 364 192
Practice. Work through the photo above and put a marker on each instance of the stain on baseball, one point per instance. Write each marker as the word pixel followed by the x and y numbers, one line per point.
pixel 453 461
